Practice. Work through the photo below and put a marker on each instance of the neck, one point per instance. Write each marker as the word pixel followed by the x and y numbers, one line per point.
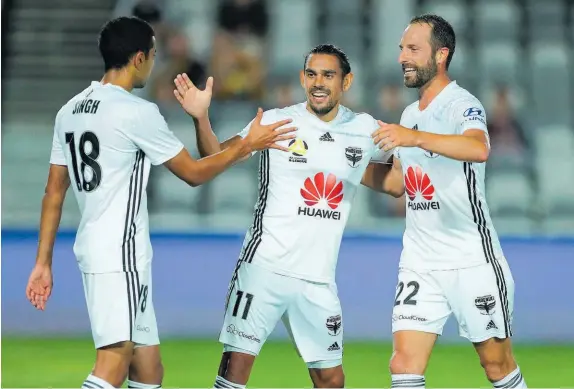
pixel 431 89
pixel 332 114
pixel 119 77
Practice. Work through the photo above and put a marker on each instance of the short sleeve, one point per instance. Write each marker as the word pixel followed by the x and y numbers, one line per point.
pixel 469 114
pixel 378 155
pixel 268 118
pixel 57 155
pixel 153 136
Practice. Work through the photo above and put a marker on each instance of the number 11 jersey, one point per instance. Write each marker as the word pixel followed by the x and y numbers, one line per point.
pixel 108 138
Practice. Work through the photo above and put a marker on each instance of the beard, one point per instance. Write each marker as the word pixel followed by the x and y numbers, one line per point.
pixel 321 111
pixel 329 104
pixel 422 74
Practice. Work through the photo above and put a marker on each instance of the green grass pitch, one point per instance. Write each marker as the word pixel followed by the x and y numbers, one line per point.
pixel 65 363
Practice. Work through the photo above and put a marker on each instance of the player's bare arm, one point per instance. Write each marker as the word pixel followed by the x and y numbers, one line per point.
pixel 196 103
pixel 260 137
pixel 385 178
pixel 471 146
pixel 40 282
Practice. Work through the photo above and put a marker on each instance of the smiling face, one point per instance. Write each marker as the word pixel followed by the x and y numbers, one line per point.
pixel 417 56
pixel 324 83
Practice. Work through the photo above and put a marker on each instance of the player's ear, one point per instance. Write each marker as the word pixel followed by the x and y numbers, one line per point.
pixel 441 56
pixel 139 59
pixel 348 81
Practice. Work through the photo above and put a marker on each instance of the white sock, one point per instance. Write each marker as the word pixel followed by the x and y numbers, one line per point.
pixel 407 381
pixel 221 382
pixel 513 380
pixel 93 382
pixel 139 385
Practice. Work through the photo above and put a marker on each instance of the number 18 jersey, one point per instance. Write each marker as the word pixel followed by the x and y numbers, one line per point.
pixel 108 139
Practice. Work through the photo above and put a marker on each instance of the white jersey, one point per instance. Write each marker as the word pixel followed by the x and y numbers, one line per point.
pixel 305 196
pixel 109 138
pixel 448 223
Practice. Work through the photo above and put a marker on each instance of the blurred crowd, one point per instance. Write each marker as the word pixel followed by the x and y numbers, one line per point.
pixel 237 61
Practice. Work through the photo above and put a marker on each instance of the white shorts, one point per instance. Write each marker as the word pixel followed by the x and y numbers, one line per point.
pixel 481 298
pixel 120 307
pixel 311 312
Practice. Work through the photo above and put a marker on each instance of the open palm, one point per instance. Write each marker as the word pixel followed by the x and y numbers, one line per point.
pixel 193 100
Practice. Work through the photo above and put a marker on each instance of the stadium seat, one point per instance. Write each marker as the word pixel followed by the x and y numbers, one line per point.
pixel 170 193
pixel 546 20
pixel 290 37
pixel 390 17
pixel 498 63
pixel 554 172
pixel 452 10
pixel 550 76
pixel 554 140
pixel 233 192
pixel 509 193
pixel 497 21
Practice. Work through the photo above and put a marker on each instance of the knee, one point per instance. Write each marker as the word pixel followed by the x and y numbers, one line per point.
pixel 150 373
pixel 497 368
pixel 406 363
pixel 334 380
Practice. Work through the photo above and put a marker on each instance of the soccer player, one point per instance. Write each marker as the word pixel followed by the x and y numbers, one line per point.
pixel 286 268
pixel 105 141
pixel 452 261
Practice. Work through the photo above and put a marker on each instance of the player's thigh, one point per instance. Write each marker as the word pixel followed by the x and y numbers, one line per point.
pixel 257 300
pixel 120 308
pixel 314 320
pixel 420 303
pixel 482 300
pixel 110 308
pixel 145 332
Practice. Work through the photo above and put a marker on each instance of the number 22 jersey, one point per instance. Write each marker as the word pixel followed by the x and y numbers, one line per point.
pixel 108 138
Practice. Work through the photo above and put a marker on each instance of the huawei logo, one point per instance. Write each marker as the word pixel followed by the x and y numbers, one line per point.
pixel 418 182
pixel 322 188
pixel 325 189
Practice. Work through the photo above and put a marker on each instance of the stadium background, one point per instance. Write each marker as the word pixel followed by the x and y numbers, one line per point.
pixel 514 55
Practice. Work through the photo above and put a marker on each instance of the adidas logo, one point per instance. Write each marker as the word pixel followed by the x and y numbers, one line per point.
pixel 491 325
pixel 326 138
pixel 334 347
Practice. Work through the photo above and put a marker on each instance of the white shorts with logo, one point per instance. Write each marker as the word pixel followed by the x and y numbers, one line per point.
pixel 120 307
pixel 481 299
pixel 259 298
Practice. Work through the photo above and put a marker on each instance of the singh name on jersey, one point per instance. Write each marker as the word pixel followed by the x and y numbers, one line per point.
pixel 303 206
pixel 448 224
pixel 109 138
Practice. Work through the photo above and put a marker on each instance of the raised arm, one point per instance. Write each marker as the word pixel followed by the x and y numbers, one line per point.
pixel 197 172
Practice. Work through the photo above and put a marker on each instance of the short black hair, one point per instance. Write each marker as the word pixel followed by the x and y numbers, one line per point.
pixel 122 38
pixel 331 50
pixel 442 33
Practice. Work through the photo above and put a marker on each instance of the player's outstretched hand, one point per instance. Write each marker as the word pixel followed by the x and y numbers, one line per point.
pixel 39 286
pixel 193 100
pixel 266 136
pixel 389 136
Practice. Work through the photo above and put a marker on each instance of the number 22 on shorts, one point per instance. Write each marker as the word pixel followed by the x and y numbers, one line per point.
pixel 409 300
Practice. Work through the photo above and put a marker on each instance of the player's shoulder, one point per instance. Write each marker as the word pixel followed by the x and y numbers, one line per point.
pixel 360 121
pixel 460 98
pixel 294 111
